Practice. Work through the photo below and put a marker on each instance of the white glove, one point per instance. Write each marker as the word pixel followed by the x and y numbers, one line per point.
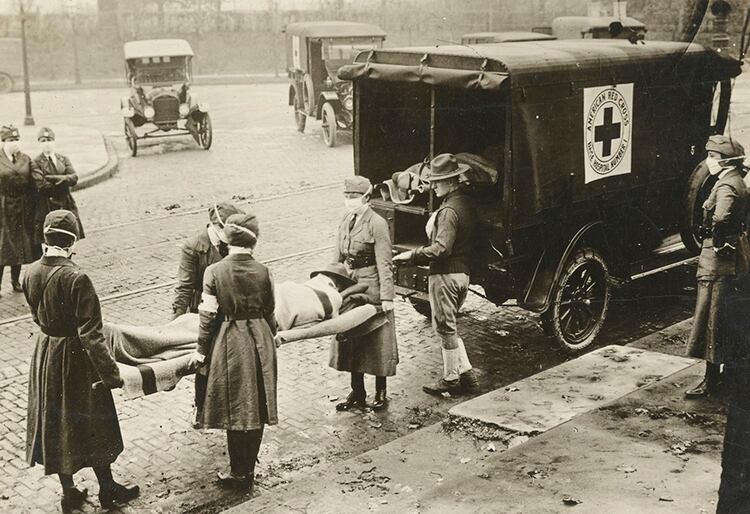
pixel 196 360
pixel 404 256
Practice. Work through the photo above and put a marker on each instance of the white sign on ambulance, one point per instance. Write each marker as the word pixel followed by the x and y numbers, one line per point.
pixel 607 131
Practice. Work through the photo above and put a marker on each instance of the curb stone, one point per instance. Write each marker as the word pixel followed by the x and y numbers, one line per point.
pixel 104 172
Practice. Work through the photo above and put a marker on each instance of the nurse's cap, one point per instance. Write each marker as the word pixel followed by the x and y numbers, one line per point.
pixel 58 224
pixel 357 184
pixel 242 230
pixel 726 146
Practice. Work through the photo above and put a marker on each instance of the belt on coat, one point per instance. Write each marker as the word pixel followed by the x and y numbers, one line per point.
pixel 360 261
pixel 243 316
pixel 52 333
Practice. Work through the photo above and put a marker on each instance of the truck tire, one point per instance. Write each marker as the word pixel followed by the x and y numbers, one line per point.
pixel 299 116
pixel 329 125
pixel 698 188
pixel 580 301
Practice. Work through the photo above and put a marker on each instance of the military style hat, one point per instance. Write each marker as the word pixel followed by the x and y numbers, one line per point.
pixel 219 212
pixel 242 230
pixel 60 224
pixel 9 132
pixel 357 184
pixel 336 271
pixel 445 166
pixel 45 133
pixel 726 146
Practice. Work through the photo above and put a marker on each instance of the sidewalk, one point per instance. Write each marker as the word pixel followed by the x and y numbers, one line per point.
pixel 93 158
pixel 607 432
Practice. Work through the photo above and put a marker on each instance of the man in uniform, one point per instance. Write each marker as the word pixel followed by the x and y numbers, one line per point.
pixel 16 206
pixel 448 254
pixel 203 249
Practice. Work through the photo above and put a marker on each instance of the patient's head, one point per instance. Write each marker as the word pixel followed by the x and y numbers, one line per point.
pixel 337 273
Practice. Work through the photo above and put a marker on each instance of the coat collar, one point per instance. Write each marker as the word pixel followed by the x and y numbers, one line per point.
pixel 56 261
pixel 362 218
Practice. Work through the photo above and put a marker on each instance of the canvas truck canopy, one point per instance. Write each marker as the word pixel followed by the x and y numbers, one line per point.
pixel 157 48
pixel 555 97
pixel 504 37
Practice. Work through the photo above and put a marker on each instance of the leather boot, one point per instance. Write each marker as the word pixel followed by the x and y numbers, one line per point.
pixel 443 386
pixel 469 381
pixel 381 400
pixel 708 386
pixel 232 481
pixel 355 400
pixel 73 499
pixel 17 287
pixel 117 494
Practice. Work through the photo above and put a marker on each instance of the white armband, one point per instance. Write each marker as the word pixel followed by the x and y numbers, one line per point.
pixel 208 303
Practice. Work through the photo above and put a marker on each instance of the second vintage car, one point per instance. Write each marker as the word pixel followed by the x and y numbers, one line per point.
pixel 160 103
pixel 315 51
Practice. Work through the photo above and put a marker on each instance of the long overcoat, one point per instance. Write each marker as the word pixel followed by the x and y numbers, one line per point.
pixel 237 327
pixel 710 336
pixel 69 425
pixel 53 182
pixel 375 353
pixel 16 210
pixel 198 253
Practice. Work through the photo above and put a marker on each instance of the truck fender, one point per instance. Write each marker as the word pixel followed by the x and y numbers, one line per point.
pixel 330 97
pixel 550 266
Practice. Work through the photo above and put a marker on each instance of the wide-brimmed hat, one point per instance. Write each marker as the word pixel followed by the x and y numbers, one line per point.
pixel 218 213
pixel 336 271
pixel 45 133
pixel 9 132
pixel 242 230
pixel 726 146
pixel 357 184
pixel 445 166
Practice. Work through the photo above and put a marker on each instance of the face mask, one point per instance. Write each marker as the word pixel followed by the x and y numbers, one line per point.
pixel 713 165
pixel 48 147
pixel 11 146
pixel 222 235
pixel 353 204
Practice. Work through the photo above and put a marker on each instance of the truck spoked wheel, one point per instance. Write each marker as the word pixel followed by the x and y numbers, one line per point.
pixel 421 307
pixel 131 137
pixel 329 125
pixel 580 301
pixel 205 132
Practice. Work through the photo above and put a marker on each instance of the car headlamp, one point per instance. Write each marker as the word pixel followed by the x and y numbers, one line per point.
pixel 349 103
pixel 203 107
pixel 184 109
pixel 127 112
pixel 328 82
pixel 149 112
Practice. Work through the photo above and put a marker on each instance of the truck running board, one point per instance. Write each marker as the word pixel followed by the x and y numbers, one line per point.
pixel 664 258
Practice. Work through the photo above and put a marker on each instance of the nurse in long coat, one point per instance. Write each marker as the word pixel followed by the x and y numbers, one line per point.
pixel 16 206
pixel 724 255
pixel 364 245
pixel 70 424
pixel 235 342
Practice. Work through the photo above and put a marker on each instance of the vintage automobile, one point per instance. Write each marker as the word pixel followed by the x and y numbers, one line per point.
pixel 478 38
pixel 594 27
pixel 158 72
pixel 11 69
pixel 583 155
pixel 315 51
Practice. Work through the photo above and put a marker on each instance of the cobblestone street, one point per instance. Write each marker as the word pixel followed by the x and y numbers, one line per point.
pixel 135 223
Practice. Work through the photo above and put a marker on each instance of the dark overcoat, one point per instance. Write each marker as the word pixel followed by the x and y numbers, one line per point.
pixel 16 210
pixel 198 253
pixel 69 425
pixel 237 327
pixel 375 353
pixel 718 274
pixel 53 182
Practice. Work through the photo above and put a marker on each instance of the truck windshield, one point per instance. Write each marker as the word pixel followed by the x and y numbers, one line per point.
pixel 339 53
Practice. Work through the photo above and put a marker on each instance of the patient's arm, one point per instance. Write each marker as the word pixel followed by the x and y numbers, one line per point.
pixel 337 325
pixel 356 288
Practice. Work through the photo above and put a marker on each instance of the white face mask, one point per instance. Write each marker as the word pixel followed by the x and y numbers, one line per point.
pixel 353 204
pixel 11 147
pixel 714 166
pixel 48 147
pixel 221 234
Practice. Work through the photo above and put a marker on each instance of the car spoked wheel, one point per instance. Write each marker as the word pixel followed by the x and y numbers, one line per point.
pixel 329 125
pixel 6 83
pixel 299 116
pixel 131 137
pixel 580 301
pixel 205 132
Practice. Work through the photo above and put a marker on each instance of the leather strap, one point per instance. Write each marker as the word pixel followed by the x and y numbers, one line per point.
pixel 327 307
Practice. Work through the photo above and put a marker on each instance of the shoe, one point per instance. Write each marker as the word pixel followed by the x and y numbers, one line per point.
pixel 469 381
pixel 699 391
pixel 381 400
pixel 73 499
pixel 353 401
pixel 443 386
pixel 118 494
pixel 17 287
pixel 232 481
